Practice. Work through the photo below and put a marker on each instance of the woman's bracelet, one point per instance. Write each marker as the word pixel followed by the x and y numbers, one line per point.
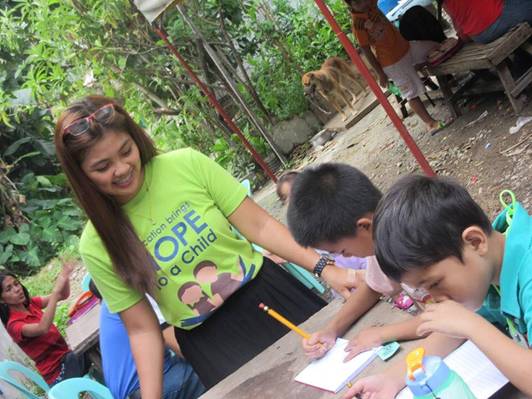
pixel 320 265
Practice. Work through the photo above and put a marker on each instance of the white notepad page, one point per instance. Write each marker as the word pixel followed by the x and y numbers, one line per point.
pixel 479 373
pixel 330 372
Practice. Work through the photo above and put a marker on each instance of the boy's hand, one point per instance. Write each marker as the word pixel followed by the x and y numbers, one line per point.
pixel 449 318
pixel 319 344
pixel 378 386
pixel 365 340
pixel 341 280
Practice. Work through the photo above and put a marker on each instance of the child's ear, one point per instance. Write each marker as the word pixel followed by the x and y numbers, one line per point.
pixel 364 223
pixel 476 238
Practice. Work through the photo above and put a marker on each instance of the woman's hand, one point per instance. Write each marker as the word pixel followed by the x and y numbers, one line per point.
pixel 68 267
pixel 341 280
pixel 62 284
pixel 449 318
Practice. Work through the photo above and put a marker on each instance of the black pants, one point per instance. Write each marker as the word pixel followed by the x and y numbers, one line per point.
pixel 239 330
pixel 419 24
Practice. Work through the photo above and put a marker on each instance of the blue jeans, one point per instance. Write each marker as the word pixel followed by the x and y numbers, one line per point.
pixel 513 13
pixel 73 365
pixel 179 382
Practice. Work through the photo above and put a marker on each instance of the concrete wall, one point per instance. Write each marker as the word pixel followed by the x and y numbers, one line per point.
pixel 289 134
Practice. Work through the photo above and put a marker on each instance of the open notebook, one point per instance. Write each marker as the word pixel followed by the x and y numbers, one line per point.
pixel 330 373
pixel 479 373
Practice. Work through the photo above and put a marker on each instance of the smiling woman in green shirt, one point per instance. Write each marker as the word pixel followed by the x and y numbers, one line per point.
pixel 162 224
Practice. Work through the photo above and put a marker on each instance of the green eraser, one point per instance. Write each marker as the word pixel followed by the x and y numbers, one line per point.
pixel 388 350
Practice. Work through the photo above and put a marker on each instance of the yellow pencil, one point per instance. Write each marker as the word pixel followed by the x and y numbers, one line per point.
pixel 282 320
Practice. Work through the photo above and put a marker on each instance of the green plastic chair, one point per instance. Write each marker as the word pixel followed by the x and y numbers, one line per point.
pixel 72 387
pixel 303 275
pixel 7 367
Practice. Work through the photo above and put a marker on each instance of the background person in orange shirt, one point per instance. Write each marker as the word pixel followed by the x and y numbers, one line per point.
pixel 395 58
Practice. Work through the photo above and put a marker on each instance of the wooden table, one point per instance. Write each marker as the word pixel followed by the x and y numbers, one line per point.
pixel 270 375
pixel 494 55
pixel 82 335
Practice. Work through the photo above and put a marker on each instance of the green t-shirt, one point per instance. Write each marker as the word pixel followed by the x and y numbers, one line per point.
pixel 180 214
pixel 514 300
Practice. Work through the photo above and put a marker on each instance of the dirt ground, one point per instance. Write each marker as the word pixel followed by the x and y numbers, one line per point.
pixel 476 149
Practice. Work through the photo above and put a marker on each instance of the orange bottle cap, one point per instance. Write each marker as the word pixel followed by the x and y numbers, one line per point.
pixel 414 362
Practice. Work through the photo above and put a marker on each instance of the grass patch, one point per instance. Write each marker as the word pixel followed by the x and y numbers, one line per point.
pixel 42 283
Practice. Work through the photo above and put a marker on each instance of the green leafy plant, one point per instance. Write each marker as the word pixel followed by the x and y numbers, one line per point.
pixel 52 52
pixel 54 221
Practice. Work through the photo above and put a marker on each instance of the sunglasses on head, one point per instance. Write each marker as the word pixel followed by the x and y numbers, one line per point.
pixel 102 115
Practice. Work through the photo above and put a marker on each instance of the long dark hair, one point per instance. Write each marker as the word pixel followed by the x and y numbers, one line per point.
pixel 130 258
pixel 4 307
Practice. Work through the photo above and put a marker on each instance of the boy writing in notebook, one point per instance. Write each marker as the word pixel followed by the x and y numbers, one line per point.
pixel 430 233
pixel 394 58
pixel 331 208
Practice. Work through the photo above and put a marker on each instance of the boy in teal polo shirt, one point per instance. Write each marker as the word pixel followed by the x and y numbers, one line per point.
pixel 430 233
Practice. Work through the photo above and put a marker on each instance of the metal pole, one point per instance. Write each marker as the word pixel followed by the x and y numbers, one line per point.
pixel 214 102
pixel 236 94
pixel 355 58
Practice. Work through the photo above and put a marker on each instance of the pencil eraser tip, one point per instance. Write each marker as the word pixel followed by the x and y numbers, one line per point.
pixel 261 305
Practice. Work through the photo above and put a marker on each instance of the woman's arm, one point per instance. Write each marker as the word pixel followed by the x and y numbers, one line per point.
pixel 64 293
pixel 147 347
pixel 261 228
pixel 50 302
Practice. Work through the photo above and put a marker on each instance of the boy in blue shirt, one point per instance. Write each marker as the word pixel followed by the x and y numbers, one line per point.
pixel 430 233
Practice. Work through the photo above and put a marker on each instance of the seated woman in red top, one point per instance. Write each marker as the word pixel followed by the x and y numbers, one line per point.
pixel 33 330
pixel 486 20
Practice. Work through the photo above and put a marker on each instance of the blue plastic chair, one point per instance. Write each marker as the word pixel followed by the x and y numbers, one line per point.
pixel 303 275
pixel 72 387
pixel 7 367
pixel 85 282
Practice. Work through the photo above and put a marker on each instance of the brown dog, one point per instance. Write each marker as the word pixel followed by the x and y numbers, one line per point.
pixel 337 81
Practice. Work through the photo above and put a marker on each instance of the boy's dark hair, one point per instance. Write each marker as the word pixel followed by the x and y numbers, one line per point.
pixel 327 201
pixel 420 221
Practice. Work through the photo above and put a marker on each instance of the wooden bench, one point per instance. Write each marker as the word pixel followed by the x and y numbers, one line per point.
pixel 494 55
